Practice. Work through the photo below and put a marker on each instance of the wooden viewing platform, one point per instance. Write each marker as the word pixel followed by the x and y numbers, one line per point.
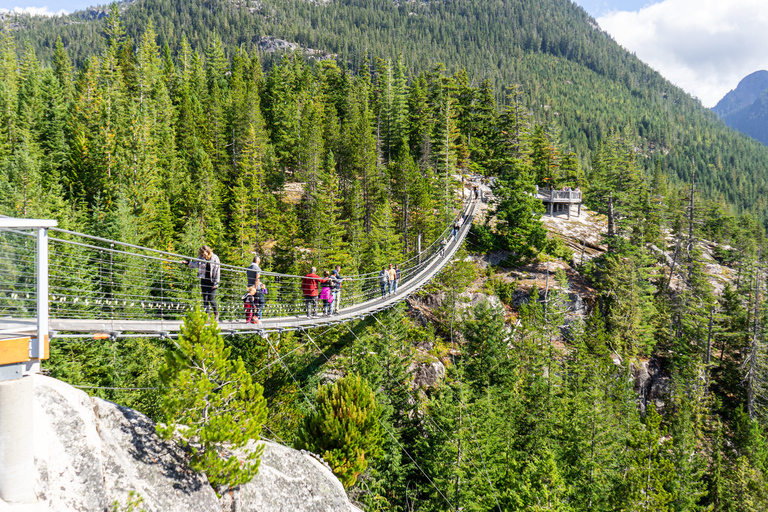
pixel 559 200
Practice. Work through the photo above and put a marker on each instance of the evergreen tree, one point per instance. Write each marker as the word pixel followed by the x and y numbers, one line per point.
pixel 215 397
pixel 649 472
pixel 344 428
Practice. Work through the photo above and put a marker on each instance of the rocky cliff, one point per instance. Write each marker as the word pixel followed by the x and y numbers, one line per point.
pixel 91 454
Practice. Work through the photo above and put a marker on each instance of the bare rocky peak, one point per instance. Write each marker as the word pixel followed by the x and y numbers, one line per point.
pixel 744 94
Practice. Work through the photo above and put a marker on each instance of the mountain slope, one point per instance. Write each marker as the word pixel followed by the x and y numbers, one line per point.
pixel 746 108
pixel 752 119
pixel 743 95
pixel 573 73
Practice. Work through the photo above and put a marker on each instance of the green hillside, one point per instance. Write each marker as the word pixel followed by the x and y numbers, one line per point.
pixel 628 382
pixel 572 73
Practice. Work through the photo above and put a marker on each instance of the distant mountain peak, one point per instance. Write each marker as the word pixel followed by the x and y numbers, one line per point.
pixel 744 94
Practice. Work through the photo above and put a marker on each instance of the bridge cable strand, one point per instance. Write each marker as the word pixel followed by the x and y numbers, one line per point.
pixel 469 415
pixel 470 422
pixel 96 283
pixel 474 436
pixel 281 357
pixel 432 421
pixel 395 439
pixel 427 414
pixel 292 377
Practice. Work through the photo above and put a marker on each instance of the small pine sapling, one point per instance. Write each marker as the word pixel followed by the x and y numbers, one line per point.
pixel 211 401
pixel 345 427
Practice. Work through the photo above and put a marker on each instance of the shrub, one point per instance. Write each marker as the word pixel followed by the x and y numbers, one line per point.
pixel 344 428
pixel 556 248
pixel 216 399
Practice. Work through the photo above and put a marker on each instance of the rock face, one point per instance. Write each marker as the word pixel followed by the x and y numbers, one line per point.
pixel 651 383
pixel 744 95
pixel 289 480
pixel 427 374
pixel 90 453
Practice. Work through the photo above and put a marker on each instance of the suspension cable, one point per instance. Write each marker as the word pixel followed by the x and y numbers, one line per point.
pixel 461 399
pixel 394 438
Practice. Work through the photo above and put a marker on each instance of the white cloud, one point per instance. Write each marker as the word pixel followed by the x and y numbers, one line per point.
pixel 35 11
pixel 704 46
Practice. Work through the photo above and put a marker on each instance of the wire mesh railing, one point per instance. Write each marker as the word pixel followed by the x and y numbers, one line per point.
pixel 100 279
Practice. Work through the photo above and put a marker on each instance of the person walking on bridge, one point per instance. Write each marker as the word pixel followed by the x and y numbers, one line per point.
pixel 384 281
pixel 392 279
pixel 254 271
pixel 209 272
pixel 309 287
pixel 337 281
pixel 260 297
pixel 326 293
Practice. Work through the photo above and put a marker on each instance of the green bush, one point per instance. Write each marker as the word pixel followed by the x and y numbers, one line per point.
pixel 482 239
pixel 556 248
pixel 504 290
pixel 211 401
pixel 344 428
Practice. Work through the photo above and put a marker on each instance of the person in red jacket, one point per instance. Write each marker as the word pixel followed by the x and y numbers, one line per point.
pixel 309 287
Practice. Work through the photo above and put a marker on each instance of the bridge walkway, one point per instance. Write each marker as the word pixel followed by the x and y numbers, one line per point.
pixel 421 273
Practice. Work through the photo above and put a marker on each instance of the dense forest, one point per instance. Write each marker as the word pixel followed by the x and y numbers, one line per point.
pixel 573 74
pixel 315 163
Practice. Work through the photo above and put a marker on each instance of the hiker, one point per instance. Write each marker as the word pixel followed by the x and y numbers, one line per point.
pixel 443 243
pixel 309 286
pixel 337 281
pixel 392 277
pixel 397 276
pixel 326 293
pixel 253 271
pixel 455 229
pixel 384 281
pixel 249 303
pixel 209 272
pixel 261 299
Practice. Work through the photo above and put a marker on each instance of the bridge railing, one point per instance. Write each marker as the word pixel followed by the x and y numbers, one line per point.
pixel 100 279
pixel 24 283
pixel 548 194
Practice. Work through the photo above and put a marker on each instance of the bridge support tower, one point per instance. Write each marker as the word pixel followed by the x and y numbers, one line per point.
pixel 20 354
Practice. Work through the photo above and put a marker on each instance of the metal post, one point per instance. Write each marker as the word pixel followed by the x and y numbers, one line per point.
pixel 37 348
pixel 418 244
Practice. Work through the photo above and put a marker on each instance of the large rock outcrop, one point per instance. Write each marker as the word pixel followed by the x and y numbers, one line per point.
pixel 90 453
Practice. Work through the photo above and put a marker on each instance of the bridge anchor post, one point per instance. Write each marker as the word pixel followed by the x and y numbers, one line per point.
pixel 17 461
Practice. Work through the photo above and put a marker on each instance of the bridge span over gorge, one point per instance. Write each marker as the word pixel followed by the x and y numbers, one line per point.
pixel 60 283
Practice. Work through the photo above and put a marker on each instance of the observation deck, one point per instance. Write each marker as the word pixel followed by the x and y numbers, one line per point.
pixel 559 201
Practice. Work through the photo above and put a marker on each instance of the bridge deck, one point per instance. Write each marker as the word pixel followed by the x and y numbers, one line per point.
pixel 357 311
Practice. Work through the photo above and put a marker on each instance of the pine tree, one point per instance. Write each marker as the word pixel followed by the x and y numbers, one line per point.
pixel 344 428
pixel 649 472
pixel 687 423
pixel 518 211
pixel 215 397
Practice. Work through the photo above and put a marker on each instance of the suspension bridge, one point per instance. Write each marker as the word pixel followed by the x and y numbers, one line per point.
pixel 60 283
pixel 56 283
